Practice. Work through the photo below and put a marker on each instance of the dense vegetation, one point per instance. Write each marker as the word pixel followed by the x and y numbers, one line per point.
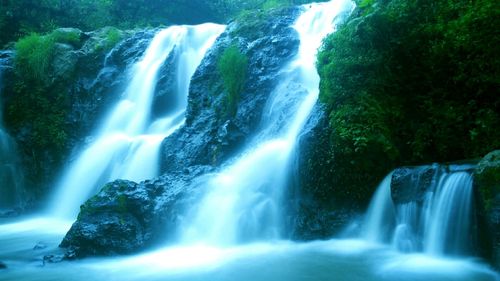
pixel 22 17
pixel 409 82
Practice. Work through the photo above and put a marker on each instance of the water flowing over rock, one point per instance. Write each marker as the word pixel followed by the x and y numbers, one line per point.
pixel 209 137
pixel 242 197
pixel 127 144
pixel 426 209
pixel 12 191
pixel 246 194
pixel 84 78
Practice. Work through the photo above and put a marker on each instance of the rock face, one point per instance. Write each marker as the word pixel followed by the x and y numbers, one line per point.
pixel 210 136
pixel 409 184
pixel 127 217
pixel 487 186
pixel 317 211
pixel 84 76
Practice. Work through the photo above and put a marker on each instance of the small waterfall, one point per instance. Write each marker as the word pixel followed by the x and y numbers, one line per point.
pixel 450 215
pixel 127 144
pixel 11 177
pixel 438 221
pixel 381 209
pixel 243 200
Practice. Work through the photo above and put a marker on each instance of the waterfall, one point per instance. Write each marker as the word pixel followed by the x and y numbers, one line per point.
pixel 243 200
pixel 437 222
pixel 126 146
pixel 381 209
pixel 11 178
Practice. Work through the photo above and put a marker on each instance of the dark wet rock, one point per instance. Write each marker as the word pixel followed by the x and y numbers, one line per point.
pixel 315 211
pixel 53 259
pixel 409 184
pixel 39 246
pixel 3 265
pixel 10 213
pixel 487 186
pixel 210 136
pixel 127 217
pixel 64 63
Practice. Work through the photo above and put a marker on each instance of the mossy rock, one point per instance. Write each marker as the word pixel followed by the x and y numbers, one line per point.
pixel 487 177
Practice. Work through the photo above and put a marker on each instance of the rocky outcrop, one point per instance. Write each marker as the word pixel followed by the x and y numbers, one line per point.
pixel 210 136
pixel 127 217
pixel 487 186
pixel 317 208
pixel 409 184
pixel 85 75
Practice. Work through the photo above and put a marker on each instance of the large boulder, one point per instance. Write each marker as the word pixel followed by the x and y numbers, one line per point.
pixel 409 184
pixel 126 217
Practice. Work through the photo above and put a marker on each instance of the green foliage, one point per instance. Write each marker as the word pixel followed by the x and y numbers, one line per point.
pixel 273 4
pixel 33 55
pixel 21 17
pixel 43 112
pixel 71 37
pixel 413 81
pixel 111 37
pixel 232 67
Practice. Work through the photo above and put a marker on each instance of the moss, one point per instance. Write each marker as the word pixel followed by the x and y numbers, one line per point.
pixel 232 66
pixel 67 36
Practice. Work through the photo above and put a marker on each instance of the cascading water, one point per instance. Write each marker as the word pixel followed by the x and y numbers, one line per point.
pixel 381 210
pixel 11 179
pixel 127 144
pixel 439 223
pixel 243 200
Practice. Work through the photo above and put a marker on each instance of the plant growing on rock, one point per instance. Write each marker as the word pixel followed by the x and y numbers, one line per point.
pixel 232 66
pixel 34 54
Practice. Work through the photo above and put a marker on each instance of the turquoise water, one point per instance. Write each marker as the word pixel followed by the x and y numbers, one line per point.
pixel 347 260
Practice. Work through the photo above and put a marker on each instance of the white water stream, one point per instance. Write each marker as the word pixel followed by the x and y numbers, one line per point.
pixel 439 226
pixel 11 177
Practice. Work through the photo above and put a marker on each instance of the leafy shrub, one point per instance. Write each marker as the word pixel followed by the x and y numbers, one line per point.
pixel 232 66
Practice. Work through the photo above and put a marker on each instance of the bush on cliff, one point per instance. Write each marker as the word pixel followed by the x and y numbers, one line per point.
pixel 33 55
pixel 232 66
pixel 412 82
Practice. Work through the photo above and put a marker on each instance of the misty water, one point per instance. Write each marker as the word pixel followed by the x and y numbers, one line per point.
pixel 235 231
